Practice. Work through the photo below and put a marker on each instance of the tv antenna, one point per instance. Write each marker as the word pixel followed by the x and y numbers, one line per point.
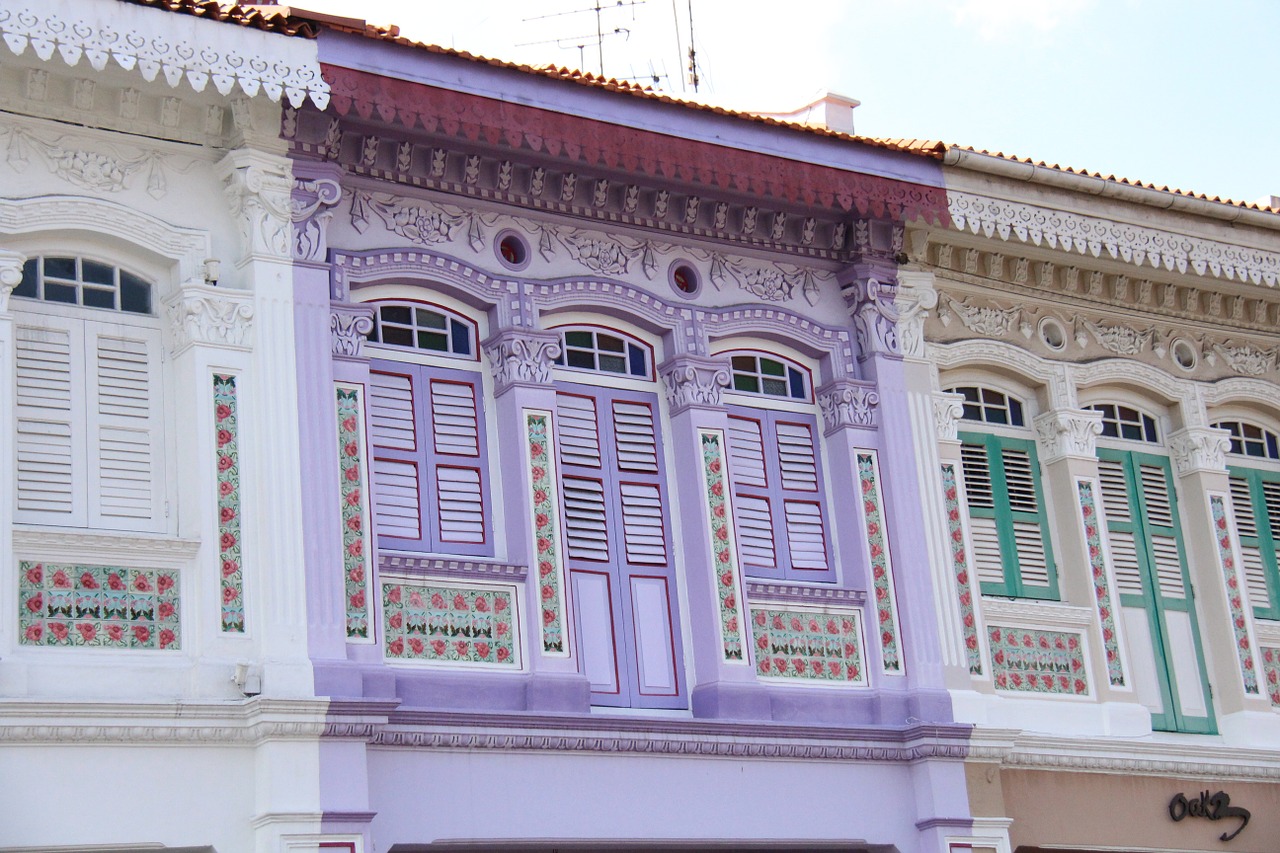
pixel 583 41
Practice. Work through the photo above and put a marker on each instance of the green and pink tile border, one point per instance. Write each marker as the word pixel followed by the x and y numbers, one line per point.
pixel 354 509
pixel 451 623
pixel 1271 672
pixel 1222 534
pixel 886 603
pixel 960 568
pixel 226 424
pixel 550 577
pixel 818 646
pixel 1031 660
pixel 1101 585
pixel 107 607
pixel 724 567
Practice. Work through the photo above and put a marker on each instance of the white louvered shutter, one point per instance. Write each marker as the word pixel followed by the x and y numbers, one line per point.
pixel 393 432
pixel 1028 535
pixel 984 531
pixel 50 421
pixel 1250 548
pixel 126 484
pixel 1124 549
pixel 455 431
pixel 1164 545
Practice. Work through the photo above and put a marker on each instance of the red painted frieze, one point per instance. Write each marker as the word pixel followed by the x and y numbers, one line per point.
pixel 587 143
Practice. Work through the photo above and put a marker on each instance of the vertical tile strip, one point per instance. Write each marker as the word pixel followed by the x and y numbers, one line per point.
pixel 1101 587
pixel 1271 671
pixel 1235 601
pixel 722 561
pixel 960 565
pixel 881 568
pixel 354 509
pixel 546 550
pixel 107 607
pixel 226 422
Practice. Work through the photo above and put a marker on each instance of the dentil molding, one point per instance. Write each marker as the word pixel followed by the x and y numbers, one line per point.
pixel 177 47
pixel 208 315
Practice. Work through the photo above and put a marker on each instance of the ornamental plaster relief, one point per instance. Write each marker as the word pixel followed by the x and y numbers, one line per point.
pixel 211 316
pixel 875 315
pixel 176 47
pixel 521 357
pixel 694 381
pixel 259 191
pixel 847 403
pixel 349 328
pixel 1129 243
pixel 86 165
pixel 1199 449
pixel 10 275
pixel 1066 433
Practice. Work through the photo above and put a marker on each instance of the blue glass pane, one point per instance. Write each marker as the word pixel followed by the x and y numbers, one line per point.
pixel 461 336
pixel 639 365
pixel 1015 412
pixel 27 287
pixel 797 384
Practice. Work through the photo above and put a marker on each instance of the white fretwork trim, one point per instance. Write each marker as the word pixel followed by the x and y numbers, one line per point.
pixel 1133 244
pixel 153 42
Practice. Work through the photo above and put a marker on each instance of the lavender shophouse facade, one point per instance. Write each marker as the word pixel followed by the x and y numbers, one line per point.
pixel 618 543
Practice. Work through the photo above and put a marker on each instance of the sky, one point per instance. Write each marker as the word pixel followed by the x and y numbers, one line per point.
pixel 1183 93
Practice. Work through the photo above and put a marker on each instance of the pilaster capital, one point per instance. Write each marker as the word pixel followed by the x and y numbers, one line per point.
pixel 213 316
pixel 10 275
pixel 870 291
pixel 349 328
pixel 915 298
pixel 693 381
pixel 259 188
pixel 1064 433
pixel 1200 450
pixel 317 188
pixel 948 408
pixel 521 357
pixel 848 403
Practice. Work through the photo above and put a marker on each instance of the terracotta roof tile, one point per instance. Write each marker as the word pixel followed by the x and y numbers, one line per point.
pixel 267 17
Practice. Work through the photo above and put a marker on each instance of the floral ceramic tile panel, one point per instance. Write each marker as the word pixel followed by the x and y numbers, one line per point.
pixel 97 606
pixel 1036 661
pixel 723 564
pixel 546 552
pixel 1271 672
pixel 1235 600
pixel 807 645
pixel 960 565
pixel 881 568
pixel 355 539
pixel 423 621
pixel 1101 588
pixel 226 419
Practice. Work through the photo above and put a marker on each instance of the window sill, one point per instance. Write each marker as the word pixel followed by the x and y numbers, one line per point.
pixel 795 593
pixel 98 547
pixel 1032 611
pixel 410 563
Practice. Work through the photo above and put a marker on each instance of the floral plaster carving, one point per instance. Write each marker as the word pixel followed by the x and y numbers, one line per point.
pixel 521 357
pixel 1235 599
pixel 1130 243
pixel 875 316
pixel 693 381
pixel 1068 432
pixel 1118 338
pixel 92 170
pixel 1246 359
pixel 948 408
pixel 214 316
pixel 1199 449
pixel 769 283
pixel 845 403
pixel 349 328
pixel 139 40
pixel 987 320
pixel 259 191
pixel 419 222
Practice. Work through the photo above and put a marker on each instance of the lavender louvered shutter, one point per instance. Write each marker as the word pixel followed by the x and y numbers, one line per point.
pixel 431 492
pixel 779 502
pixel 618 545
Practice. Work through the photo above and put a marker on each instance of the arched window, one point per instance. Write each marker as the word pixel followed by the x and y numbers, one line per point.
pixel 601 351
pixel 1120 421
pixel 1012 549
pixel 1255 497
pixel 775 468
pixel 88 408
pixel 427 428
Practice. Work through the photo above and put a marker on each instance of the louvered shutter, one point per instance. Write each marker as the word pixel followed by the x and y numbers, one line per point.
pixel 50 419
pixel 1250 552
pixel 984 531
pixel 1027 518
pixel 429 473
pixel 1255 497
pixel 1124 547
pixel 124 416
pixel 1158 506
pixel 779 506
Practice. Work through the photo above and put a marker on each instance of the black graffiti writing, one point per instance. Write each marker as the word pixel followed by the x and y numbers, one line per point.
pixel 1211 806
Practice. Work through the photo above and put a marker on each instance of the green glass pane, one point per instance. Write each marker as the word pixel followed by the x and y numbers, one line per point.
pixel 430 319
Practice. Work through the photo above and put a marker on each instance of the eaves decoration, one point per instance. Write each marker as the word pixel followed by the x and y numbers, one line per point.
pixel 586 143
pixel 155 43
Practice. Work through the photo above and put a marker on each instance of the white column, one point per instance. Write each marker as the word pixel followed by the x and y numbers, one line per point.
pixel 10 275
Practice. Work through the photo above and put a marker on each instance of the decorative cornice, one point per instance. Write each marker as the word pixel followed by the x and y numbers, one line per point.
pixel 1196 449
pixel 948 409
pixel 521 357
pixel 1134 244
pixel 694 381
pixel 763 593
pixel 349 328
pixel 413 564
pixel 177 47
pixel 259 190
pixel 210 316
pixel 66 545
pixel 10 275
pixel 848 403
pixel 1068 433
